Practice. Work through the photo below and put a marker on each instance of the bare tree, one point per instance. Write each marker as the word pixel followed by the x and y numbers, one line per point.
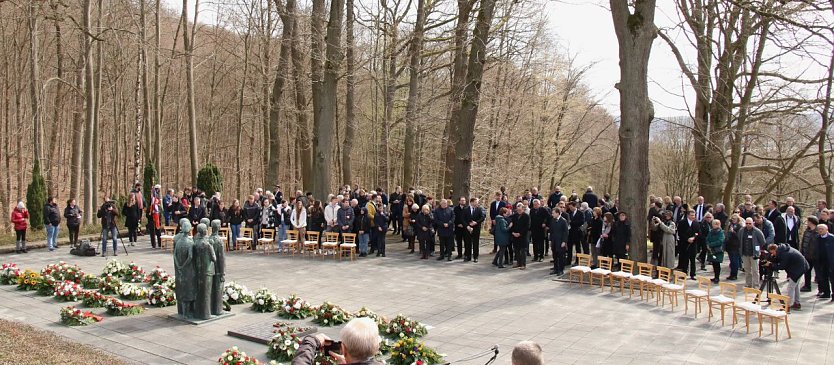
pixel 350 94
pixel 188 44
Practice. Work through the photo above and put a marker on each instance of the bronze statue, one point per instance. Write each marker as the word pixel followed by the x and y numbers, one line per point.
pixel 184 270
pixel 204 259
pixel 206 222
pixel 219 269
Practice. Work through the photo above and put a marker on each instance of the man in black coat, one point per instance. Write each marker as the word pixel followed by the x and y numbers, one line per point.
pixel 473 218
pixel 539 217
pixel 460 226
pixel 555 197
pixel 780 229
pixel 444 222
pixel 789 259
pixel 576 219
pixel 792 223
pixel 519 230
pixel 590 198
pixel 558 240
pixel 381 226
pixel 688 231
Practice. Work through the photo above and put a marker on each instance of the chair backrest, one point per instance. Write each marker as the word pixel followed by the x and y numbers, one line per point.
pixel 223 232
pixel 331 237
pixel 664 273
pixel 704 283
pixel 313 236
pixel 170 230
pixel 778 302
pixel 680 277
pixel 268 233
pixel 247 232
pixel 584 259
pixel 292 235
pixel 644 268
pixel 751 294
pixel 349 237
pixel 728 290
pixel 627 266
pixel 605 262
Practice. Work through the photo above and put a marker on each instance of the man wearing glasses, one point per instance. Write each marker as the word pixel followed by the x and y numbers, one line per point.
pixel 752 241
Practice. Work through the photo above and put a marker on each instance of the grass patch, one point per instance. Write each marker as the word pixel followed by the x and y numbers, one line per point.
pixel 23 344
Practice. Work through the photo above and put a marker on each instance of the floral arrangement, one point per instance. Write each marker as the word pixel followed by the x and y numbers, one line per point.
pixel 109 285
pixel 114 268
pixel 385 346
pixel 9 273
pixel 90 281
pixel 72 316
pixel 328 314
pixel 161 295
pixel 234 293
pixel 284 344
pixel 132 292
pixel 264 301
pixel 119 308
pixel 294 308
pixel 93 299
pixel 28 280
pixel 63 271
pixel 134 273
pixel 403 327
pixel 46 286
pixel 234 356
pixel 68 291
pixel 158 276
pixel 381 322
pixel 409 351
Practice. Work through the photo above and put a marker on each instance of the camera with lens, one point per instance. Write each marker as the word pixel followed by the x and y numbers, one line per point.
pixel 764 269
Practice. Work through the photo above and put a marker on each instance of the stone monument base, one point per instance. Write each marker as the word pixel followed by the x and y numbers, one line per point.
pixel 198 322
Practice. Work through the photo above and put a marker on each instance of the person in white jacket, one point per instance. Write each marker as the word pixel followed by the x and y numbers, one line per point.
pixel 298 218
pixel 331 212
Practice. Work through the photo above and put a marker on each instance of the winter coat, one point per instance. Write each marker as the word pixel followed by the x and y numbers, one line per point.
pixel 317 222
pixel 715 244
pixel 750 239
pixel 344 217
pixel 732 243
pixel 132 215
pixel 558 231
pixel 51 215
pixel 620 237
pixel 502 231
pixel 444 216
pixel 809 244
pixel 20 219
pixel 71 214
pixel 235 216
pixel 790 260
pixel 108 217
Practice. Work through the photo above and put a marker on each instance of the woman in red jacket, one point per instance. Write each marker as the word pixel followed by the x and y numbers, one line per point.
pixel 20 217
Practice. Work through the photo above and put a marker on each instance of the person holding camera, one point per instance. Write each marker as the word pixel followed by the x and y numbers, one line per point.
pixel 785 257
pixel 108 215
pixel 359 344
pixel 752 240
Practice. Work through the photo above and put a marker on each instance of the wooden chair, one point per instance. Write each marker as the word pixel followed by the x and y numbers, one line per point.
pixel 696 296
pixel 311 242
pixel 291 244
pixel 602 272
pixel 624 275
pixel 642 279
pixel 579 271
pixel 330 244
pixel 672 289
pixel 725 298
pixel 168 233
pixel 777 312
pixel 664 276
pixel 750 304
pixel 267 240
pixel 348 246
pixel 224 233
pixel 246 237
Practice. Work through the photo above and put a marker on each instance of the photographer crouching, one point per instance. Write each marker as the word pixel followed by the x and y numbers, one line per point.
pixel 784 257
pixel 360 342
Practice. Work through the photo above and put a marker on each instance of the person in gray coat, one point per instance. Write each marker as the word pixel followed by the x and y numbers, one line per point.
pixel 502 237
pixel 752 243
pixel 669 229
pixel 444 221
pixel 558 232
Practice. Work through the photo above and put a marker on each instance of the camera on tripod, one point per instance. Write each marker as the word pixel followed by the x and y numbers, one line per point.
pixel 766 270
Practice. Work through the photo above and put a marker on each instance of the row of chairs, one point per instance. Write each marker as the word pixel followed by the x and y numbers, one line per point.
pixel 671 284
pixel 311 244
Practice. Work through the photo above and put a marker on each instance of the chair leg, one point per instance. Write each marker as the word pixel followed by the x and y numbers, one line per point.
pixel 788 327
pixel 760 324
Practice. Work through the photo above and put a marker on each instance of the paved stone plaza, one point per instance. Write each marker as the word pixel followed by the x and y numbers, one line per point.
pixel 470 307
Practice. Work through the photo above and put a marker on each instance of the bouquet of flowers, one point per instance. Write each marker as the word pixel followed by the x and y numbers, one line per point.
pixel 234 356
pixel 402 327
pixel 234 293
pixel 264 301
pixel 132 292
pixel 409 351
pixel 114 268
pixel 134 273
pixel 72 316
pixel 119 308
pixel 161 295
pixel 46 286
pixel 68 291
pixel 385 346
pixel 328 314
pixel 381 322
pixel 93 299
pixel 158 276
pixel 63 271
pixel 294 308
pixel 9 274
pixel 28 280
pixel 109 284
pixel 90 281
pixel 284 344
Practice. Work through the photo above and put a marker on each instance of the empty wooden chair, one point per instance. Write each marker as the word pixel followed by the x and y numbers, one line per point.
pixel 642 279
pixel 777 312
pixel 311 242
pixel 673 289
pixel 697 296
pixel 168 233
pixel 664 276
pixel 223 233
pixel 581 270
pixel 622 276
pixel 247 235
pixel 267 240
pixel 348 246
pixel 330 245
pixel 749 305
pixel 725 298
pixel 602 272
pixel 291 244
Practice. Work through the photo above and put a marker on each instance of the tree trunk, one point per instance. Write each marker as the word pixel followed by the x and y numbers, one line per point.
pixel 635 34
pixel 267 105
pixel 188 44
pixel 273 174
pixel 411 107
pixel 89 103
pixel 350 103
pixel 470 99
pixel 139 117
pixel 157 103
pixel 143 71
pixel 34 82
pixel 458 78
pixel 825 115
pixel 52 162
pixel 241 92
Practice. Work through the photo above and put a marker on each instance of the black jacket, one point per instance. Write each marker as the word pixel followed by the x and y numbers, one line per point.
pixel 780 230
pixel 478 218
pixel 108 217
pixel 558 231
pixel 790 260
pixel 196 213
pixel 591 199
pixel 132 215
pixel 51 215
pixel 553 199
pixel 521 225
pixel 71 214
pixel 539 217
pixel 460 222
pixel 685 231
pixel 576 220
pixel 235 216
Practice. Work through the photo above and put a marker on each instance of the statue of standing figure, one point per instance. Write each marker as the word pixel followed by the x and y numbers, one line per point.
pixel 219 278
pixel 184 272
pixel 204 261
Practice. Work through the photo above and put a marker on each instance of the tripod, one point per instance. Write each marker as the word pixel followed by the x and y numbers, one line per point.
pixel 493 351
pixel 769 283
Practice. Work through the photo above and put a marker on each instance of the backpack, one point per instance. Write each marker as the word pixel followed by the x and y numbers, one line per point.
pixel 83 249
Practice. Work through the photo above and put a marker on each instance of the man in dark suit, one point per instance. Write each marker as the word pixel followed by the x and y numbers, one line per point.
pixel 460 226
pixel 688 231
pixel 792 227
pixel 519 231
pixel 576 219
pixel 494 208
pixel 539 217
pixel 558 240
pixel 474 217
pixel 444 221
pixel 678 209
pixel 700 209
pixel 779 227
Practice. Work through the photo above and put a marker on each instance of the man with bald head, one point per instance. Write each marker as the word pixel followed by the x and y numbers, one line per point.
pixel 752 242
